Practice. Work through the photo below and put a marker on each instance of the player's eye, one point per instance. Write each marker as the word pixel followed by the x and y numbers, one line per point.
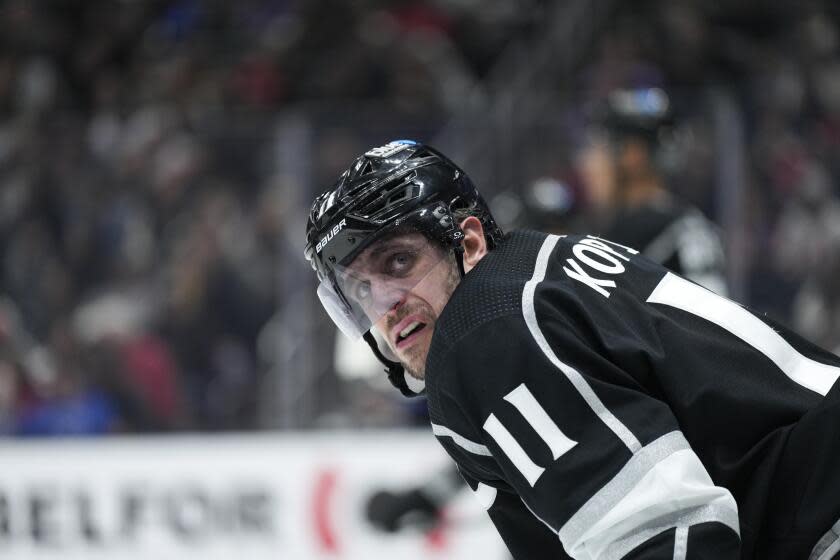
pixel 400 264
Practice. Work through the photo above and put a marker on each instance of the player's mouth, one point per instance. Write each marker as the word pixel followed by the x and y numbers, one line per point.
pixel 407 332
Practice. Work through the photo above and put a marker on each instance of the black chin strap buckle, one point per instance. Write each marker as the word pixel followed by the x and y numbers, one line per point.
pixel 395 370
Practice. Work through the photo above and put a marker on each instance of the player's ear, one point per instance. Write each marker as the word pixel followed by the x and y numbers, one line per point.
pixel 474 243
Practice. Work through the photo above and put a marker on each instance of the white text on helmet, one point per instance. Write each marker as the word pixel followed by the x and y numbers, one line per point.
pixel 388 149
pixel 330 234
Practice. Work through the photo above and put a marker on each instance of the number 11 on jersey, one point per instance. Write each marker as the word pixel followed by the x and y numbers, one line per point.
pixel 559 443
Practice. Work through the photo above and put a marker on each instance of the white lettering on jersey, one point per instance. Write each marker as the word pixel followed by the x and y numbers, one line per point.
pixel 603 244
pixel 597 254
pixel 592 238
pixel 580 275
pixel 536 416
pixel 587 254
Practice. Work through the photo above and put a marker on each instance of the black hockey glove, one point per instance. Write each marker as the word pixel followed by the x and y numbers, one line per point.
pixel 391 512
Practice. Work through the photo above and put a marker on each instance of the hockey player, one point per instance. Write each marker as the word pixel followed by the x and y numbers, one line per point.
pixel 639 130
pixel 599 405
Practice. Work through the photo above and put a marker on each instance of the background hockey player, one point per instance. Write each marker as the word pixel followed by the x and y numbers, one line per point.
pixel 639 136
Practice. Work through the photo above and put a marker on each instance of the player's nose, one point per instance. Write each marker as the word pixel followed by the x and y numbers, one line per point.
pixel 388 298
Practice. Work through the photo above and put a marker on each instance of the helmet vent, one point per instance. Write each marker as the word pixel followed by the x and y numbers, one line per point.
pixel 362 167
pixel 384 202
pixel 410 191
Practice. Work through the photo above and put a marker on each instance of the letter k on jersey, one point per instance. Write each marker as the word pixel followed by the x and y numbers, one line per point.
pixel 597 254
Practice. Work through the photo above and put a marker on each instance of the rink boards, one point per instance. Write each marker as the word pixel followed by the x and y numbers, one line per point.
pixel 273 496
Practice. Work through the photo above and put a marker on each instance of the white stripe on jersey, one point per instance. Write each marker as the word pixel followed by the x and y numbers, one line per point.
pixel 661 487
pixel 682 294
pixel 577 380
pixel 681 543
pixel 486 495
pixel 461 441
pixel 628 477
pixel 828 545
pixel 713 513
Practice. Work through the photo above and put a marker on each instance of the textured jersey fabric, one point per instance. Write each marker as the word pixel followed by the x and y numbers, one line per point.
pixel 603 407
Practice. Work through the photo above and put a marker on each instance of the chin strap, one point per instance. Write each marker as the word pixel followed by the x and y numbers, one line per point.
pixel 459 258
pixel 395 370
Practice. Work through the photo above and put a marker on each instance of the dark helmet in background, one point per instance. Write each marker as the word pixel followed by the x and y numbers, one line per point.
pixel 644 113
pixel 403 186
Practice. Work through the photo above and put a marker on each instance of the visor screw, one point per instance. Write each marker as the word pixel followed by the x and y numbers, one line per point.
pixel 332 260
pixel 351 240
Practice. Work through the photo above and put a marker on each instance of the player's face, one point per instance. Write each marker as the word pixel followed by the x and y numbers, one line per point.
pixel 633 162
pixel 403 283
pixel 597 170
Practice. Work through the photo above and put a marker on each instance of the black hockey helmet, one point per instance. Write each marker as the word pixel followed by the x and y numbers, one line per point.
pixel 403 186
pixel 644 113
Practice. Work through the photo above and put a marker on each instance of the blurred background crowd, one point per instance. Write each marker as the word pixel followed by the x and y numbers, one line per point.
pixel 157 159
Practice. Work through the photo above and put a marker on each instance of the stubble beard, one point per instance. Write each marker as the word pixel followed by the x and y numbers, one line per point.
pixel 415 361
pixel 414 358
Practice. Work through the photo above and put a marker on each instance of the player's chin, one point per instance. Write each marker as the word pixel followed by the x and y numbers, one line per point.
pixel 414 361
pixel 419 374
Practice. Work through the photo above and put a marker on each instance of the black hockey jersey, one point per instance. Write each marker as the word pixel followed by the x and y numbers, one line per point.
pixel 601 406
pixel 676 235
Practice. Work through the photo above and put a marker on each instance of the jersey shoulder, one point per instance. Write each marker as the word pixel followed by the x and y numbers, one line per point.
pixel 536 273
pixel 492 289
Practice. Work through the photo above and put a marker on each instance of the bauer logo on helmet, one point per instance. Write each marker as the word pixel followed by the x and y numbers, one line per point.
pixel 330 234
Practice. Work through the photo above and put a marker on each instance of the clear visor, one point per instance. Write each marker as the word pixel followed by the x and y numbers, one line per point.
pixel 378 279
